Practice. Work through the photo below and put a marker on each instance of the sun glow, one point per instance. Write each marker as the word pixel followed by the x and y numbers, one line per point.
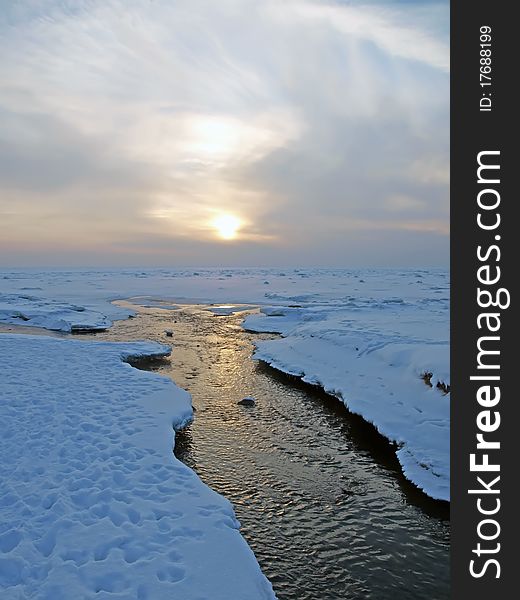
pixel 227 226
pixel 215 138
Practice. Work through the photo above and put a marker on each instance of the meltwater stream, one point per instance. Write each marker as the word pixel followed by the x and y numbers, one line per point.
pixel 318 492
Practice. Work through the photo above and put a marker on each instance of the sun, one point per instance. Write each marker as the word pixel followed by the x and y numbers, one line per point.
pixel 227 226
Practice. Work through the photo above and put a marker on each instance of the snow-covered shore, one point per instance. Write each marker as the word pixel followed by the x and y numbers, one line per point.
pixel 93 503
pixel 377 373
pixel 367 336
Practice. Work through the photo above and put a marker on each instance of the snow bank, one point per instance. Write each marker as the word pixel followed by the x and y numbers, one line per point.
pixel 21 309
pixel 93 502
pixel 374 363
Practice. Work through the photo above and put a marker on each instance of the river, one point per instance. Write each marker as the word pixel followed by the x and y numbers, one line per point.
pixel 318 492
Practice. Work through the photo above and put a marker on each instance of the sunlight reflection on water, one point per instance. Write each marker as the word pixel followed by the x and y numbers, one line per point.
pixel 319 493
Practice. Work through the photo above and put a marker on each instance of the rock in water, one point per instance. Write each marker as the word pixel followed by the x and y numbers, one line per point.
pixel 247 401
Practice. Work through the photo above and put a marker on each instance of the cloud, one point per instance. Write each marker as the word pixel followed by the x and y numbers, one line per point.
pixel 125 123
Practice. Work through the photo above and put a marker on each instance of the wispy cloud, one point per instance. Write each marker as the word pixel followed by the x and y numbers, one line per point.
pixel 142 119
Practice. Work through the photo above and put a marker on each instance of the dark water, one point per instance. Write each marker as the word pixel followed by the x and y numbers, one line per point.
pixel 318 492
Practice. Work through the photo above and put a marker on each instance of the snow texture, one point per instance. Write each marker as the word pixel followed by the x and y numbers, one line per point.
pixel 366 336
pixel 93 502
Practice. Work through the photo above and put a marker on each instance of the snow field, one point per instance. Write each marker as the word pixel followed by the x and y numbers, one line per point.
pixel 93 502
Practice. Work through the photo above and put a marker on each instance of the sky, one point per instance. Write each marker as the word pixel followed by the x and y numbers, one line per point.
pixel 229 133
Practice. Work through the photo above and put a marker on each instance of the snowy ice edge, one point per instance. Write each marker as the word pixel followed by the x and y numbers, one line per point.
pixel 108 511
pixel 153 351
pixel 419 429
pixel 432 484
